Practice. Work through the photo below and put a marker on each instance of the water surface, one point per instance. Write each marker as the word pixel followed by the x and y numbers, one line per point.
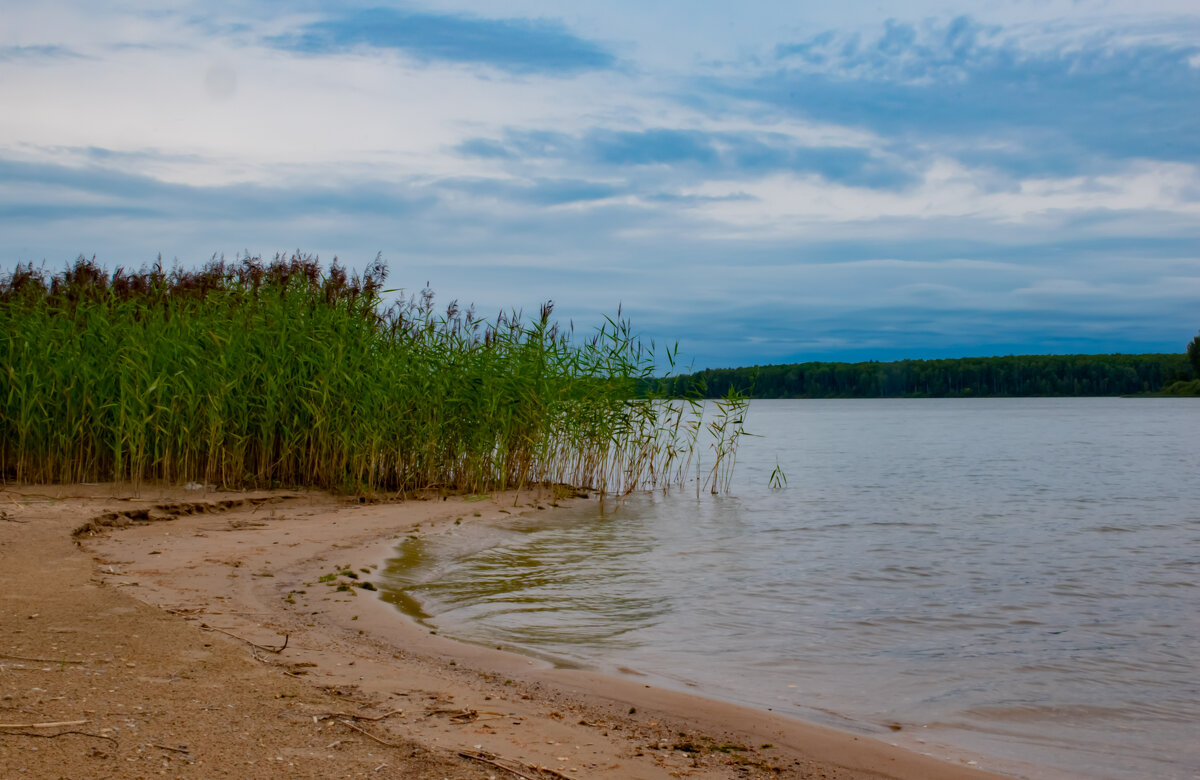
pixel 1016 578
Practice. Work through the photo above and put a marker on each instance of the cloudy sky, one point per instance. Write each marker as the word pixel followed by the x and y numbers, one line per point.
pixel 762 182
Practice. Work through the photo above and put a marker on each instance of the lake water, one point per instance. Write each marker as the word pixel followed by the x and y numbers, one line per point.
pixel 1011 578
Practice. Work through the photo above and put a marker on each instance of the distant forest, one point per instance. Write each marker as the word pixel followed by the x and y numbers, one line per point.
pixel 1011 376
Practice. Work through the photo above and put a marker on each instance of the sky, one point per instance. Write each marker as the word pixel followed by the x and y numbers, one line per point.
pixel 765 182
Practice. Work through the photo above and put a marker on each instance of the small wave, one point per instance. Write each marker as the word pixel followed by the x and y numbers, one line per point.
pixel 1030 713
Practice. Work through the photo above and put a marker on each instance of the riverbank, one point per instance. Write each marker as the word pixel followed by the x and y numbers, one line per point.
pixel 230 635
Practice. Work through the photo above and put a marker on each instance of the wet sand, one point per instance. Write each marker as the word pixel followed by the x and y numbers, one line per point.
pixel 214 634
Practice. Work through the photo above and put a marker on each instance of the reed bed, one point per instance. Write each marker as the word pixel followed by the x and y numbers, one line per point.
pixel 285 373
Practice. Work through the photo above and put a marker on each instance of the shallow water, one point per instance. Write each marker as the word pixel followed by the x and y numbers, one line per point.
pixel 1015 578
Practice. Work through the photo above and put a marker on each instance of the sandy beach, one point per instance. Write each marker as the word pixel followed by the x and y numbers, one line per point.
pixel 195 633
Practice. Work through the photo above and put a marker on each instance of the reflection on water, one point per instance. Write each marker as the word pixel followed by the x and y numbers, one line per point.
pixel 1012 577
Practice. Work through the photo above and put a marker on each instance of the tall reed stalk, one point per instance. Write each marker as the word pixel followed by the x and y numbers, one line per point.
pixel 285 374
pixel 727 427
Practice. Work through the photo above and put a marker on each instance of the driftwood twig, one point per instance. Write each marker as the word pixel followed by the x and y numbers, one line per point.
pixel 51 725
pixel 352 716
pixel 265 648
pixel 465 716
pixel 462 721
pixel 484 758
pixel 60 734
pixel 492 760
pixel 368 734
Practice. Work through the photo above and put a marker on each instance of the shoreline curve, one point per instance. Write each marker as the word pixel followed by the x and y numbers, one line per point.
pixel 254 571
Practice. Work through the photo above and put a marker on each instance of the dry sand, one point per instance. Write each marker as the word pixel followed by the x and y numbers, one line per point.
pixel 155 640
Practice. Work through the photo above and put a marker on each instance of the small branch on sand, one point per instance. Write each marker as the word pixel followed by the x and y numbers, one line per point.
pixel 367 734
pixel 168 747
pixel 351 716
pixel 465 716
pixel 60 734
pixel 553 773
pixel 484 758
pixel 491 760
pixel 265 648
pixel 52 725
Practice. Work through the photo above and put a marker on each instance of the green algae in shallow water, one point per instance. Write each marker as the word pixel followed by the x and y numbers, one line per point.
pixel 409 555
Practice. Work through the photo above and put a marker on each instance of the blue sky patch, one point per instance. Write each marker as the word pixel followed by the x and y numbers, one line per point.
pixel 515 45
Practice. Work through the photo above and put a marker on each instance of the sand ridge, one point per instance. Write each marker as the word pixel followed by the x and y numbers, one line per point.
pixel 196 638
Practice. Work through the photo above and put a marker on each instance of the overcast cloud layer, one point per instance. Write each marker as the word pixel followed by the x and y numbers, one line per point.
pixel 771 184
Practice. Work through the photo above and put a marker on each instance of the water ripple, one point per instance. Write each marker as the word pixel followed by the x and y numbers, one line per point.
pixel 1015 577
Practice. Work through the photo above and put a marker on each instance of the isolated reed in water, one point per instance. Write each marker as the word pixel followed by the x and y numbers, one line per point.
pixel 283 373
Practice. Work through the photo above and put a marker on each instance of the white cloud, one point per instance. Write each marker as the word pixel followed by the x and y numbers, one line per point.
pixel 788 205
pixel 191 97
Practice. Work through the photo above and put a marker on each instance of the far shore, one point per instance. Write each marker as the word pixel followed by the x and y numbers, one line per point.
pixel 196 638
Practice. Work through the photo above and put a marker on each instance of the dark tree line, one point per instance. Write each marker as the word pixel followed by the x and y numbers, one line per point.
pixel 1012 376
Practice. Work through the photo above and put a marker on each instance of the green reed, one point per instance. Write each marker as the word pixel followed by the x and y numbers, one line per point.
pixel 285 373
pixel 726 428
